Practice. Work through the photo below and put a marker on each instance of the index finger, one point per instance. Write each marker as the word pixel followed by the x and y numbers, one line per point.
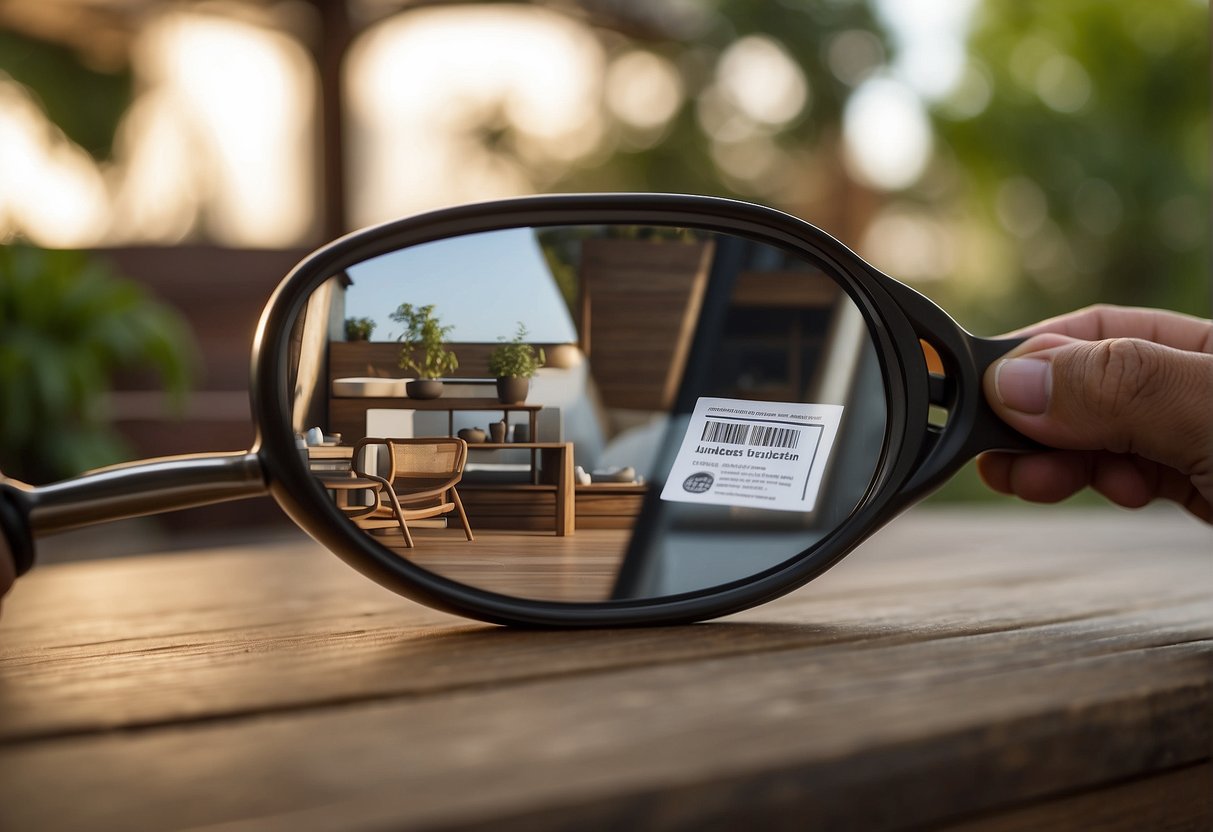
pixel 1097 323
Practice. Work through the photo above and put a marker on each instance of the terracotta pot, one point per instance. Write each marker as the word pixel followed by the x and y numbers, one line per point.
pixel 512 390
pixel 424 388
pixel 472 436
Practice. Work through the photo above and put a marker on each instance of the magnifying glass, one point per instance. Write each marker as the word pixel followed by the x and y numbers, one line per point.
pixel 703 405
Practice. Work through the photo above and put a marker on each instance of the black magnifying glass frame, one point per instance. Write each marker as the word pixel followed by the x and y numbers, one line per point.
pixel 916 456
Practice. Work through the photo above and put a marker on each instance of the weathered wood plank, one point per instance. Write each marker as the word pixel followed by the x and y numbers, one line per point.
pixel 959 665
pixel 1178 801
pixel 339 652
pixel 928 548
pixel 792 735
pixel 127 637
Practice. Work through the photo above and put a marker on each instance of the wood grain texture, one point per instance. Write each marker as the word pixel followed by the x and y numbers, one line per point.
pixel 639 306
pixel 960 668
pixel 785 290
pixel 1178 801
pixel 545 567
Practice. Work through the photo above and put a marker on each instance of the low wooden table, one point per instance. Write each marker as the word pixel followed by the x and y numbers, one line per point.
pixel 964 670
pixel 553 477
pixel 330 457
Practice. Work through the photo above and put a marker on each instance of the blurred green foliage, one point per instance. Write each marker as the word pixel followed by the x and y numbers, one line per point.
pixel 1080 140
pixel 85 102
pixel 67 326
pixel 681 161
pixel 1078 145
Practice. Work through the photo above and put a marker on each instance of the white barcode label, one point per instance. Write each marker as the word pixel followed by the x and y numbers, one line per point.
pixel 741 433
pixel 755 454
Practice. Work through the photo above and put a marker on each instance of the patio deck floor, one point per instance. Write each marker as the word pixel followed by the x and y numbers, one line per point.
pixel 581 567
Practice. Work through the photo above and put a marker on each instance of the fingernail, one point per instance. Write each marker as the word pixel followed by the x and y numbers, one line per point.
pixel 1023 384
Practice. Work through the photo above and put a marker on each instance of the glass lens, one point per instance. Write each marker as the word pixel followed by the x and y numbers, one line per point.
pixel 590 413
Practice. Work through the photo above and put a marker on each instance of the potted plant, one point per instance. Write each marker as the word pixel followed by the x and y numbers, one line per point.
pixel 70 327
pixel 513 363
pixel 423 349
pixel 359 329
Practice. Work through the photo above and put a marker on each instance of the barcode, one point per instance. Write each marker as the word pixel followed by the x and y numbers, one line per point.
pixel 738 433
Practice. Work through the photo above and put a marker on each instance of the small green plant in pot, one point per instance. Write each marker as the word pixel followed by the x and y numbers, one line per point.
pixel 514 363
pixel 359 329
pixel 423 349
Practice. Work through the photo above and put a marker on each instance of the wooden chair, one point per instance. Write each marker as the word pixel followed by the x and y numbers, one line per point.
pixel 420 482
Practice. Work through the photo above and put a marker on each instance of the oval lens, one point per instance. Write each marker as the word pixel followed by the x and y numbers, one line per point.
pixel 590 413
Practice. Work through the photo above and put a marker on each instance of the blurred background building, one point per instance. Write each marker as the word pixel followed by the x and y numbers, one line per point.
pixel 1011 159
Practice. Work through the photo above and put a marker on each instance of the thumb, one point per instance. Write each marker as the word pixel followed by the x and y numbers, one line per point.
pixel 1124 395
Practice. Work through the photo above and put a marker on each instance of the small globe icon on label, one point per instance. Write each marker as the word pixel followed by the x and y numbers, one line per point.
pixel 698 483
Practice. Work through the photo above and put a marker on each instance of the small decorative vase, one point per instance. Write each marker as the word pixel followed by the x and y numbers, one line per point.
pixel 497 432
pixel 522 433
pixel 424 388
pixel 472 436
pixel 512 390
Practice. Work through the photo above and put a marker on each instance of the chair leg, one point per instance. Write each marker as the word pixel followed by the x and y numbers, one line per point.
pixel 404 528
pixel 463 518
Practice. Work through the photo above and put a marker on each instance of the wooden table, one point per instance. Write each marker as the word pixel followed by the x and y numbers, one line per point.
pixel 967 670
pixel 330 457
pixel 553 476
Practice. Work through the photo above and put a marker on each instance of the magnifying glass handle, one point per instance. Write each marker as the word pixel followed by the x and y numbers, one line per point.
pixel 991 433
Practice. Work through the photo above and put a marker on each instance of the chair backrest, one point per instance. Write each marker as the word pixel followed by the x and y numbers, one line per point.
pixel 427 457
pixel 424 462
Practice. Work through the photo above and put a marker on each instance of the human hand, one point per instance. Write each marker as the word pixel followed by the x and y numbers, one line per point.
pixel 1124 395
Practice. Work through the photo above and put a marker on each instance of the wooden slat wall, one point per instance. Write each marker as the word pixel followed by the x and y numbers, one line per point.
pixel 220 293
pixel 640 302
pixel 784 290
